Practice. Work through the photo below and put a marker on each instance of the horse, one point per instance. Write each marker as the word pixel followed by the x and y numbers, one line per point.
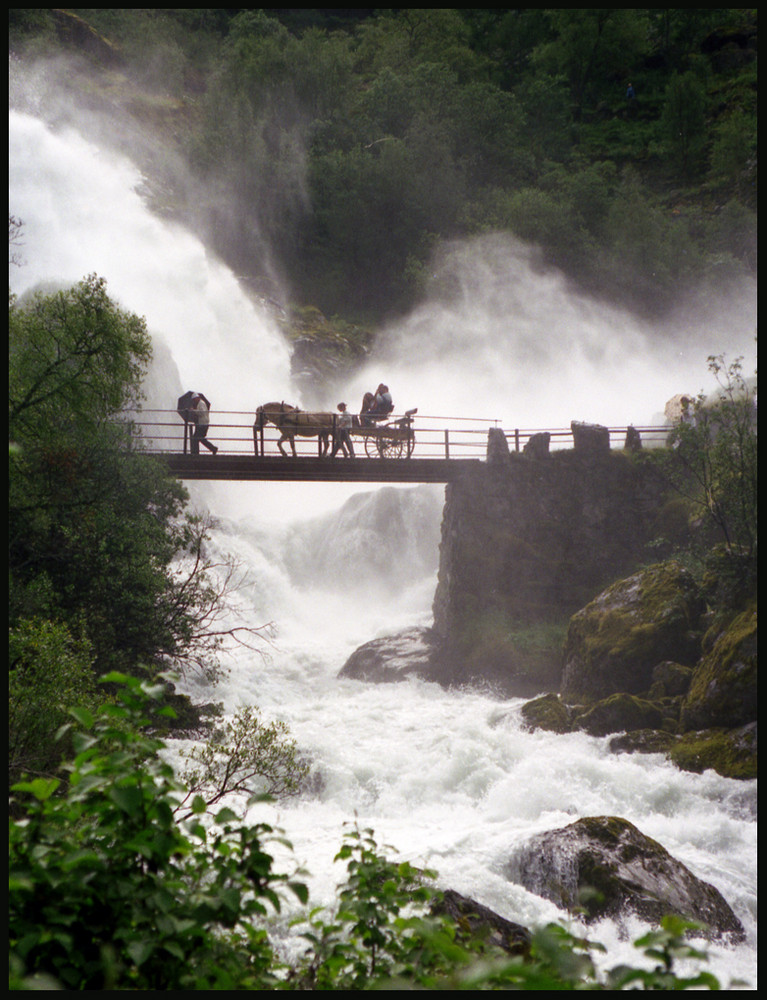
pixel 293 422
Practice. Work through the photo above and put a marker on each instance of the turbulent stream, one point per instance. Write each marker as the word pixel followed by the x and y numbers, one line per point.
pixel 448 779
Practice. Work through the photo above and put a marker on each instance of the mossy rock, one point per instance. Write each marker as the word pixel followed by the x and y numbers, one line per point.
pixel 723 687
pixel 619 713
pixel 548 712
pixel 603 866
pixel 669 680
pixel 730 752
pixel 643 741
pixel 614 643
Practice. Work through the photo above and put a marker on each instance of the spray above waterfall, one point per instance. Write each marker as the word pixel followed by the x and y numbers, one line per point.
pixel 496 336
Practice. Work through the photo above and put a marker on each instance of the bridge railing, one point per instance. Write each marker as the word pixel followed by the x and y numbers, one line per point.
pixel 235 433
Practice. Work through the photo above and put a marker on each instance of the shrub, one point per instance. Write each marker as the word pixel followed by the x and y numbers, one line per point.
pixel 48 672
pixel 108 891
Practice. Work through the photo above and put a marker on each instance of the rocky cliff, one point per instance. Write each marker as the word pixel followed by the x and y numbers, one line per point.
pixel 527 540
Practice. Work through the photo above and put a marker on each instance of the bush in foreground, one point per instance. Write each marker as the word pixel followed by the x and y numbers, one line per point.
pixel 109 890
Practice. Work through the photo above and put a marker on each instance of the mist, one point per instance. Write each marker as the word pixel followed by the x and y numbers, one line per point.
pixel 497 336
pixel 501 337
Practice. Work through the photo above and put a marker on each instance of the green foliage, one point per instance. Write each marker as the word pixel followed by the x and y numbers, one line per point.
pixel 48 672
pixel 108 891
pixel 683 121
pixel 372 936
pixel 666 946
pixel 245 755
pixel 593 45
pixel 713 457
pixel 733 153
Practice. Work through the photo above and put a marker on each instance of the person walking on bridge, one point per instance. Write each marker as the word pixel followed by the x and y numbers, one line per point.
pixel 200 413
pixel 343 438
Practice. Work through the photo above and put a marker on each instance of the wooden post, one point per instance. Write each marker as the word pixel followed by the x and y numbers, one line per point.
pixel 447 443
pixel 186 434
pixel 516 438
pixel 255 440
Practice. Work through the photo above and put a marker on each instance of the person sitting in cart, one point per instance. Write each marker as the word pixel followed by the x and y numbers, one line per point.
pixel 365 418
pixel 382 402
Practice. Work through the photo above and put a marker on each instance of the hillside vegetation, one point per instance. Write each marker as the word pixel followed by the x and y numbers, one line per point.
pixel 325 154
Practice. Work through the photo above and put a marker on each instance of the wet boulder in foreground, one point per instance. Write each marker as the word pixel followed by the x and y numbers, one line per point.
pixel 608 867
pixel 476 922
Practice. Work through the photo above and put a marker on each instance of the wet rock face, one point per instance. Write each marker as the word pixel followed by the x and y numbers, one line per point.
pixel 723 686
pixel 616 641
pixel 391 658
pixel 608 867
pixel 477 922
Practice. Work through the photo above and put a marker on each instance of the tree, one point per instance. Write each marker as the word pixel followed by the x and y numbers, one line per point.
pixel 49 671
pixel 713 459
pixel 683 121
pixel 97 527
pixel 74 360
pixel 599 44
pixel 245 755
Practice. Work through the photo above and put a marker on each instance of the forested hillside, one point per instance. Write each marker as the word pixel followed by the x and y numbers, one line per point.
pixel 327 153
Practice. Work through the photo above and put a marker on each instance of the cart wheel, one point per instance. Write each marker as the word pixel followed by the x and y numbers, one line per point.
pixel 371 446
pixel 389 447
pixel 410 444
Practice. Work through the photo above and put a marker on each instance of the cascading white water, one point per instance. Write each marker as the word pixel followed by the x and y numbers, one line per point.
pixel 449 779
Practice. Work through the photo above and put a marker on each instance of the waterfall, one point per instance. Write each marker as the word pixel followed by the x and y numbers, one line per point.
pixel 450 779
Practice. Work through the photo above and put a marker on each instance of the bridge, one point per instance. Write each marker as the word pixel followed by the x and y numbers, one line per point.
pixel 410 448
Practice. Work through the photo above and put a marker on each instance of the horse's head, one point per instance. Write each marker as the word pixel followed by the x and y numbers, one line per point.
pixel 273 412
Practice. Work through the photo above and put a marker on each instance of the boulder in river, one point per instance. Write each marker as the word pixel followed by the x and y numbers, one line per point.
pixel 475 922
pixel 392 657
pixel 604 866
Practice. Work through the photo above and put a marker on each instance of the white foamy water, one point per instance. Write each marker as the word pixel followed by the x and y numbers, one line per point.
pixel 449 779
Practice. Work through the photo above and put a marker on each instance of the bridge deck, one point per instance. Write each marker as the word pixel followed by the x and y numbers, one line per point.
pixel 322 470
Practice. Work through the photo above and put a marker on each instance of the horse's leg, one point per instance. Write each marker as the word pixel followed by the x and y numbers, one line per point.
pixel 323 436
pixel 284 437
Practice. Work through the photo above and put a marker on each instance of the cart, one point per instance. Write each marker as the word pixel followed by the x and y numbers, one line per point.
pixel 394 439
